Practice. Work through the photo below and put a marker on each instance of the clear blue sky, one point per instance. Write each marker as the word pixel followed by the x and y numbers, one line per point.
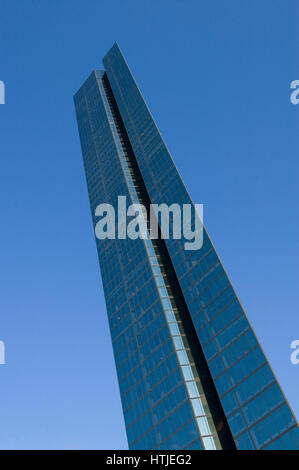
pixel 216 76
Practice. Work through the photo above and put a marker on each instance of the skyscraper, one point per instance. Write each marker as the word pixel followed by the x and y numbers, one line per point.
pixel 191 372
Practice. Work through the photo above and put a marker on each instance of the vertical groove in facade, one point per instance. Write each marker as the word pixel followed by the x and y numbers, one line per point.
pixel 174 307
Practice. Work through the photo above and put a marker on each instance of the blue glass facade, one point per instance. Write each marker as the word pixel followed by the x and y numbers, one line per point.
pixel 191 372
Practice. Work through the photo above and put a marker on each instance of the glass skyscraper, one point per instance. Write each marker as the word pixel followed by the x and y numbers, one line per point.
pixel 191 372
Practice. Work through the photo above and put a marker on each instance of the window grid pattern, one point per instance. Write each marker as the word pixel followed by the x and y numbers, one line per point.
pixel 163 401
